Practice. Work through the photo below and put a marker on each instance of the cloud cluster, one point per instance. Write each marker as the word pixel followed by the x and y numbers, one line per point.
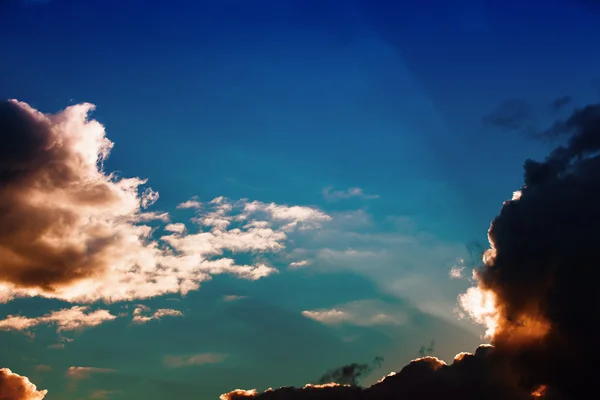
pixel 140 318
pixel 68 319
pixel 536 291
pixel 359 313
pixel 17 387
pixel 193 359
pixel 71 231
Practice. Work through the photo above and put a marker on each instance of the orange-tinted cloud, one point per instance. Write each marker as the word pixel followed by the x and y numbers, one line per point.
pixel 17 387
pixel 72 231
pixel 68 319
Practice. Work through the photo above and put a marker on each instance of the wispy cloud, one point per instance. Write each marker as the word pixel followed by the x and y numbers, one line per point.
pixel 299 264
pixel 140 318
pixel 194 359
pixel 360 313
pixel 233 297
pixel 334 195
pixel 79 373
pixel 70 319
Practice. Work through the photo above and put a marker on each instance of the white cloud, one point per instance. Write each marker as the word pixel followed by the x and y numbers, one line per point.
pixel 140 318
pixel 84 230
pixel 75 318
pixel 194 359
pixel 334 195
pixel 360 313
pixel 299 264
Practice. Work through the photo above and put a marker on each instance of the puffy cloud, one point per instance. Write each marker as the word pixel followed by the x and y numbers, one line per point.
pixel 79 373
pixel 140 318
pixel 17 387
pixel 68 319
pixel 334 195
pixel 361 313
pixel 71 231
pixel 194 359
pixel 536 290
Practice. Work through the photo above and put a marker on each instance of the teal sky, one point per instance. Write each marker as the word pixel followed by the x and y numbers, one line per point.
pixel 367 115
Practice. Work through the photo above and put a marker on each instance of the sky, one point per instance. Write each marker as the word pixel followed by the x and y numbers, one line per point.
pixel 247 194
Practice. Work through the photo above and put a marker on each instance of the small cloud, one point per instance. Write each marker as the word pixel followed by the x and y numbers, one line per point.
pixel 334 195
pixel 74 318
pixel 139 318
pixel 57 346
pixel 192 203
pixel 43 368
pixel 104 394
pixel 299 264
pixel 456 272
pixel 175 228
pixel 16 387
pixel 79 373
pixel 233 297
pixel 192 360
pixel 360 313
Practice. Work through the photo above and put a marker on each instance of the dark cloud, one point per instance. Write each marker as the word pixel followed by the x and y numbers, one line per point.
pixel 350 374
pixel 559 103
pixel 512 115
pixel 427 350
pixel 537 290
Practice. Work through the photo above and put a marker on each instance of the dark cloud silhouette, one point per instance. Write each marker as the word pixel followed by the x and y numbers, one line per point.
pixel 350 374
pixel 512 114
pixel 536 290
pixel 559 103
pixel 427 350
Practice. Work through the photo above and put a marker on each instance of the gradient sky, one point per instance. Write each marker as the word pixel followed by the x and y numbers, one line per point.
pixel 296 102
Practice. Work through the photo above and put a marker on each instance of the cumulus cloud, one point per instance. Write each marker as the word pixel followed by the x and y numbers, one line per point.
pixel 16 387
pixel 67 319
pixel 360 313
pixel 71 231
pixel 334 195
pixel 194 359
pixel 536 290
pixel 140 318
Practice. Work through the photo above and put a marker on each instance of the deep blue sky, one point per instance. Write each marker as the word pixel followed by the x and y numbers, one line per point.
pixel 275 101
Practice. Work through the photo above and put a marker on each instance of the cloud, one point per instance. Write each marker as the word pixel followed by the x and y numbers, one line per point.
pixel 299 264
pixel 140 318
pixel 80 373
pixel 43 368
pixel 194 359
pixel 360 313
pixel 71 231
pixel 67 319
pixel 334 195
pixel 512 114
pixel 350 374
pixel 103 394
pixel 233 297
pixel 17 387
pixel 536 290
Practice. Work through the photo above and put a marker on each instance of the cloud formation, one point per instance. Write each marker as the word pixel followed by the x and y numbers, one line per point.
pixel 140 318
pixel 79 373
pixel 536 291
pixel 16 387
pixel 67 319
pixel 360 313
pixel 71 231
pixel 334 195
pixel 194 359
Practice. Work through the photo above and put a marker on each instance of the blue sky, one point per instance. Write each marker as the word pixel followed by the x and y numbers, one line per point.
pixel 364 112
